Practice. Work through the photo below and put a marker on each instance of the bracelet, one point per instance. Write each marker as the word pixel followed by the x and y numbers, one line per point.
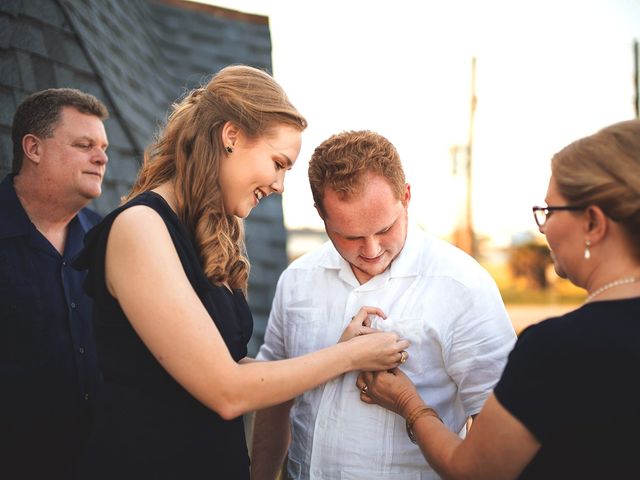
pixel 414 415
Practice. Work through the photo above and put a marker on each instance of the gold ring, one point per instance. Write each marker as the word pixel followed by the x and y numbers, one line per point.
pixel 364 389
pixel 403 356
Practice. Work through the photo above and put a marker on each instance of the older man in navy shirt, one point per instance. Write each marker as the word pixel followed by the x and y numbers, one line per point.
pixel 48 366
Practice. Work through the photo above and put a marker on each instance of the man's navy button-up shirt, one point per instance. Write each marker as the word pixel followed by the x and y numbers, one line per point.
pixel 48 365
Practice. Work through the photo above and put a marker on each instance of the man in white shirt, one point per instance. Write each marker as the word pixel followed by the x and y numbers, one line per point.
pixel 432 293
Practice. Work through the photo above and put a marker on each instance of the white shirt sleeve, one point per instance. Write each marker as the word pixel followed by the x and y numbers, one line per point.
pixel 273 347
pixel 478 345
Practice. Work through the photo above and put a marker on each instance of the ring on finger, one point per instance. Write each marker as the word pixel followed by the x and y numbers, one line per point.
pixel 403 356
pixel 364 389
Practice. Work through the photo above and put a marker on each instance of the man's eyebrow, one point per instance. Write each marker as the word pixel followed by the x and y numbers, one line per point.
pixel 384 229
pixel 90 139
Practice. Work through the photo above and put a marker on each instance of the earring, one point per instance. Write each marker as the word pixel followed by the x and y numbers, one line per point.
pixel 229 149
pixel 587 252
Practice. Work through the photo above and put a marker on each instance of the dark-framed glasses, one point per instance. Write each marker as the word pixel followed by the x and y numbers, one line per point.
pixel 540 214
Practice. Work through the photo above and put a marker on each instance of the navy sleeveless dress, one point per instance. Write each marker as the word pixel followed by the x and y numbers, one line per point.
pixel 147 425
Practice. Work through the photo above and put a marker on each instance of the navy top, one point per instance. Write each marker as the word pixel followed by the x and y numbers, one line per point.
pixel 48 367
pixel 573 382
pixel 147 425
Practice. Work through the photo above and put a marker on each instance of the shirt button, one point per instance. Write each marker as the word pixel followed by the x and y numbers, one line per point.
pixel 64 264
pixel 81 350
pixel 73 304
pixel 86 396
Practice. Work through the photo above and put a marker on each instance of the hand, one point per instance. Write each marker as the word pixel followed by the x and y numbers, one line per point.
pixel 361 323
pixel 391 389
pixel 377 351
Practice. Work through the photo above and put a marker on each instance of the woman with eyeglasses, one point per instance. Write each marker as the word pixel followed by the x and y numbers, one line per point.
pixel 568 403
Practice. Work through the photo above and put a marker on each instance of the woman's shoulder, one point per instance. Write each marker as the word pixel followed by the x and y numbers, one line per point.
pixel 542 353
pixel 554 336
pixel 146 211
pixel 581 331
pixel 589 317
pixel 144 208
pixel 144 202
pixel 145 225
pixel 137 217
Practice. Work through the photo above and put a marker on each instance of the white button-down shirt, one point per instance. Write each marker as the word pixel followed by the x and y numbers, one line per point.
pixel 434 295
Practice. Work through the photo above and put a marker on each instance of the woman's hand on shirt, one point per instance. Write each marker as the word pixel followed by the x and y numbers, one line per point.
pixel 390 389
pixel 376 351
pixel 360 323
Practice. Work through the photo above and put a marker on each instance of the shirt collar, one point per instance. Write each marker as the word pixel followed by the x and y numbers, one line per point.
pixel 14 221
pixel 406 264
pixel 85 222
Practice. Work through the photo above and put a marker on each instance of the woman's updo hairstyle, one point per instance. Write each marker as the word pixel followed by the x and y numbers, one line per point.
pixel 188 153
pixel 603 169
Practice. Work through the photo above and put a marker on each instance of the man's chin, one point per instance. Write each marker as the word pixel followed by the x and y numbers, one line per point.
pixel 372 270
pixel 91 196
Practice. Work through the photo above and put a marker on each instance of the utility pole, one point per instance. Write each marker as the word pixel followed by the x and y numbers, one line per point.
pixel 636 78
pixel 473 247
pixel 462 157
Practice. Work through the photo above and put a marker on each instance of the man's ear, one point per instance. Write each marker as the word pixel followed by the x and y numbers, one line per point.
pixel 407 194
pixel 319 210
pixel 230 134
pixel 31 148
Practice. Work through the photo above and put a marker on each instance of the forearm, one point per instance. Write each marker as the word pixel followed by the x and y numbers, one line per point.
pixel 271 438
pixel 497 448
pixel 439 446
pixel 435 440
pixel 257 385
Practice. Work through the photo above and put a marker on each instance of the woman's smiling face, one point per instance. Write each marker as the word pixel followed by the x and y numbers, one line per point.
pixel 256 168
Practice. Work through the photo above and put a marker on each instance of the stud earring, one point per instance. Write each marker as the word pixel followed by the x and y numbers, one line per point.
pixel 229 149
pixel 587 251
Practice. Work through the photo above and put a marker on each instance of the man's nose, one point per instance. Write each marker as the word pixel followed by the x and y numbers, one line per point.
pixel 370 247
pixel 100 156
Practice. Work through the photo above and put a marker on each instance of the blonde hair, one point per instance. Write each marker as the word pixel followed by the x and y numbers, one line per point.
pixel 188 152
pixel 603 169
pixel 343 160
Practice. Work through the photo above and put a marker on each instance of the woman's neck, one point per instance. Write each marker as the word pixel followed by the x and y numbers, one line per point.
pixel 167 191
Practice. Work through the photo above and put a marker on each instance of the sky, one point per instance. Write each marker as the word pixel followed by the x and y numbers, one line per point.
pixel 547 72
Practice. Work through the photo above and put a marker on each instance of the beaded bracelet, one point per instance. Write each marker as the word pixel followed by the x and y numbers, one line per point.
pixel 414 415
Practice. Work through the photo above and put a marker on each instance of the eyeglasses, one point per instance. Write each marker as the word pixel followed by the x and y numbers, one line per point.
pixel 540 214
